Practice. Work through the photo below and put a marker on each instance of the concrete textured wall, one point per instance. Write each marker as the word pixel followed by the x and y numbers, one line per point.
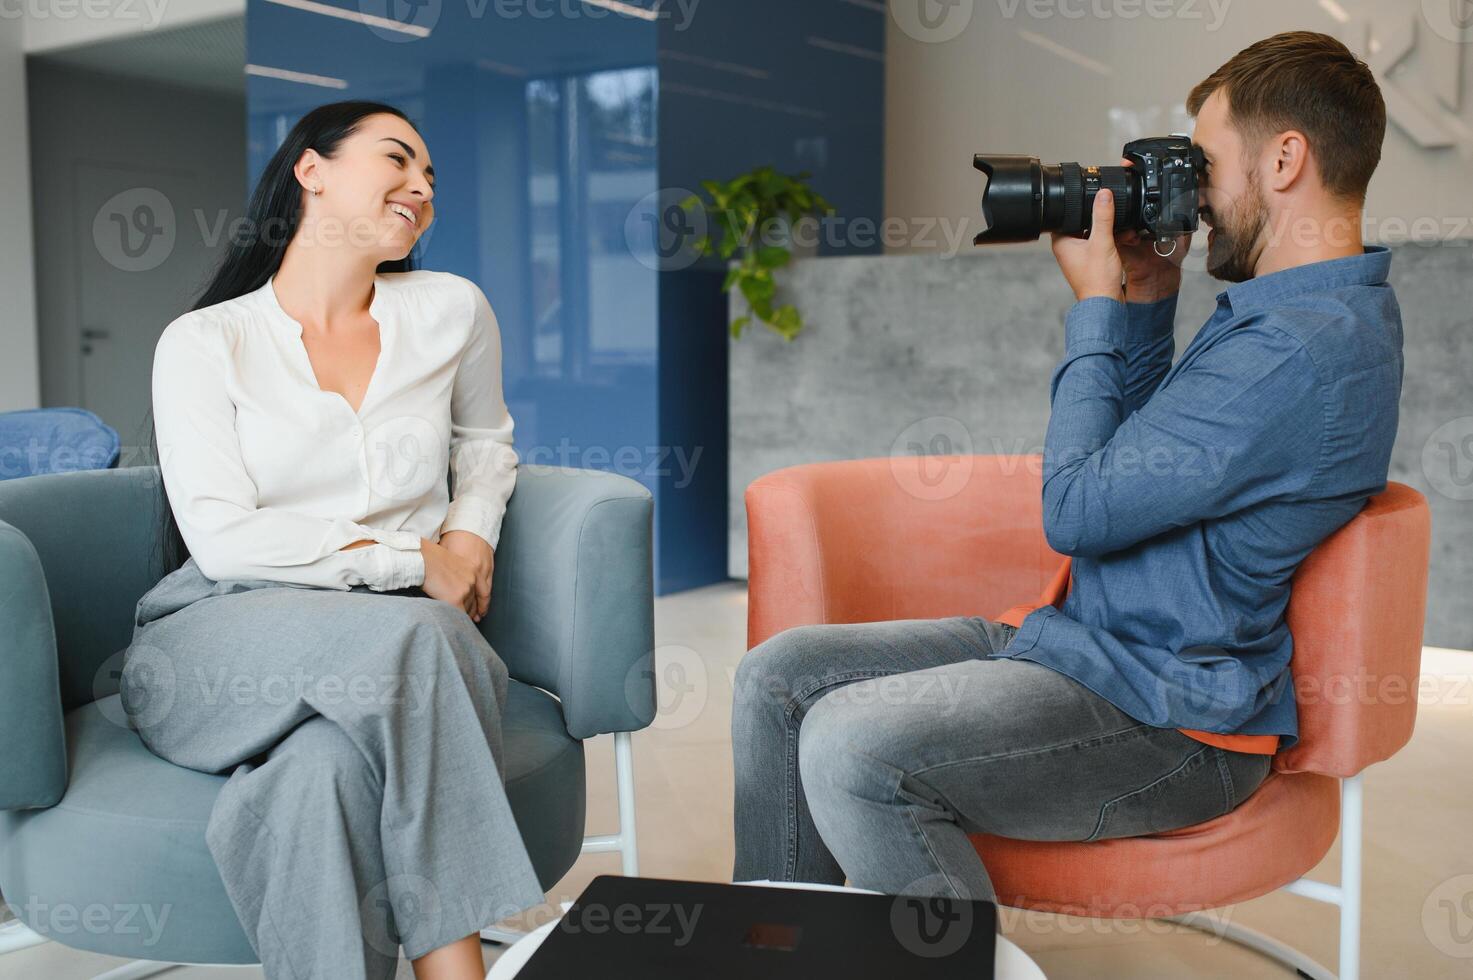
pixel 1073 80
pixel 908 353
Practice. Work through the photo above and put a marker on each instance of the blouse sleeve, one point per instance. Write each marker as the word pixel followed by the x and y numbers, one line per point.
pixel 214 499
pixel 483 464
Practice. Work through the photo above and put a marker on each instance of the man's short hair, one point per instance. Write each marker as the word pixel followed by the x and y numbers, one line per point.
pixel 1310 82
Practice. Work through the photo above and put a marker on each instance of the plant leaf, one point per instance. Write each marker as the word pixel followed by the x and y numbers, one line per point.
pixel 738 211
pixel 773 257
pixel 786 320
pixel 757 290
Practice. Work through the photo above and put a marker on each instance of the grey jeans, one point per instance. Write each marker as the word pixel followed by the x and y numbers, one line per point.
pixel 871 750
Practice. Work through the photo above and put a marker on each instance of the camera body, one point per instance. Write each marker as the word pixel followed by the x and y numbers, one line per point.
pixel 1155 195
pixel 1170 169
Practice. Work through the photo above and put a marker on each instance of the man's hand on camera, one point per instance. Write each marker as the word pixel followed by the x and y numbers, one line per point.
pixel 1093 266
pixel 1148 276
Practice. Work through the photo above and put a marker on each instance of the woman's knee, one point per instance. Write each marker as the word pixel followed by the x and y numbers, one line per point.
pixel 443 654
pixel 326 759
pixel 424 612
pixel 429 621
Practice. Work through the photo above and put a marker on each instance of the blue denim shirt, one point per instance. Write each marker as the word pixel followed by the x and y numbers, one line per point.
pixel 1188 493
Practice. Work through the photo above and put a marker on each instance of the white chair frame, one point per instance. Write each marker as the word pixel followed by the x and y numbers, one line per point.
pixel 1346 895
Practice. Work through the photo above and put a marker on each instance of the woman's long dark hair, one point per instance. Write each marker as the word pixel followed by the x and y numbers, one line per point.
pixel 251 259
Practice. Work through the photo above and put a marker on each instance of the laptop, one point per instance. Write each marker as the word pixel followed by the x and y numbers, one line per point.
pixel 656 928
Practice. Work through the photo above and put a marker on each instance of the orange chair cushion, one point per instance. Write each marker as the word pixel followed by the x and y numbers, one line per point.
pixel 1275 836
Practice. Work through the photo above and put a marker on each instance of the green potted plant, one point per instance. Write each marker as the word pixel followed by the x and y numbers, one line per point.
pixel 742 212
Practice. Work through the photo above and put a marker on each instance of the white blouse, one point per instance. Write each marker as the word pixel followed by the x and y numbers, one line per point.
pixel 269 476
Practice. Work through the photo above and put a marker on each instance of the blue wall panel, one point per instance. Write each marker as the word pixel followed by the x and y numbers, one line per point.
pixel 554 125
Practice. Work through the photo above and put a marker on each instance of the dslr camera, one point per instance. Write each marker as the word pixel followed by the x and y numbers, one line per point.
pixel 1156 195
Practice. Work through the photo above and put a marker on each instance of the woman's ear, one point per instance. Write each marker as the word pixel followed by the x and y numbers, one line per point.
pixel 308 169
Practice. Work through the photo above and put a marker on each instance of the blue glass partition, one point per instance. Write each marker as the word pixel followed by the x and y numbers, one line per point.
pixel 555 126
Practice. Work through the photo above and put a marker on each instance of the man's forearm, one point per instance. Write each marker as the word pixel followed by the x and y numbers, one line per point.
pixel 1088 395
pixel 1149 345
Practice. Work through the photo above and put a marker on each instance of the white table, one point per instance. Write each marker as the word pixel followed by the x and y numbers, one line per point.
pixel 1010 963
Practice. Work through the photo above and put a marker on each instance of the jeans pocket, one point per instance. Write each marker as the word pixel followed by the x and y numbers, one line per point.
pixel 1194 792
pixel 1246 772
pixel 997 635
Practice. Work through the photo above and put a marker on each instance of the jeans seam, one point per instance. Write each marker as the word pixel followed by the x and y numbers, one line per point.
pixel 910 812
pixel 1109 805
pixel 790 864
pixel 1229 791
pixel 830 681
pixel 790 860
pixel 1105 739
pixel 1105 811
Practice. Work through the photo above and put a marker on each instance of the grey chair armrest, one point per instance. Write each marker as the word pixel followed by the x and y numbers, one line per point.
pixel 33 771
pixel 572 595
pixel 76 551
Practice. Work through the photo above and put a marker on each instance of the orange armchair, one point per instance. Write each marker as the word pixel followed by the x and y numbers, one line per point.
pixel 915 537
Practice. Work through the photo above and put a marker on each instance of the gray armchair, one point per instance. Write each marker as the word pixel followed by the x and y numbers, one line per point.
pixel 102 843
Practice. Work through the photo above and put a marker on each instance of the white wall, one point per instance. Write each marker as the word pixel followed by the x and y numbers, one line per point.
pixel 44 27
pixel 1075 79
pixel 20 377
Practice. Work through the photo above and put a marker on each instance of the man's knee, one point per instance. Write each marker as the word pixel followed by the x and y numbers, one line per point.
pixel 830 756
pixel 781 666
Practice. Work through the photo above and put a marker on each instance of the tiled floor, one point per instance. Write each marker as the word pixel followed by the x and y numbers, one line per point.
pixel 1418 919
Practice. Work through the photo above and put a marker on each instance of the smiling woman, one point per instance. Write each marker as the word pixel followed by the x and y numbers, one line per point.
pixel 313 413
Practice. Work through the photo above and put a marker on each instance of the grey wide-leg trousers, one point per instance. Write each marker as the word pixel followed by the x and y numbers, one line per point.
pixel 366 805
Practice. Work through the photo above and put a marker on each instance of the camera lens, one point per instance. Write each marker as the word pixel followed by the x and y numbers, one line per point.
pixel 1025 198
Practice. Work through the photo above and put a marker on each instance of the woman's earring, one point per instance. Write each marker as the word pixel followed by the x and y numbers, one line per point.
pixel 317 190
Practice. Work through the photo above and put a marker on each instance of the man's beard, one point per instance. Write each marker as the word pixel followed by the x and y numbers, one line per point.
pixel 1230 256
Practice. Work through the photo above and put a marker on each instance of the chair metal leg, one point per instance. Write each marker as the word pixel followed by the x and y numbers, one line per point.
pixel 1253 939
pixel 1346 895
pixel 624 841
pixel 1351 837
pixel 624 775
